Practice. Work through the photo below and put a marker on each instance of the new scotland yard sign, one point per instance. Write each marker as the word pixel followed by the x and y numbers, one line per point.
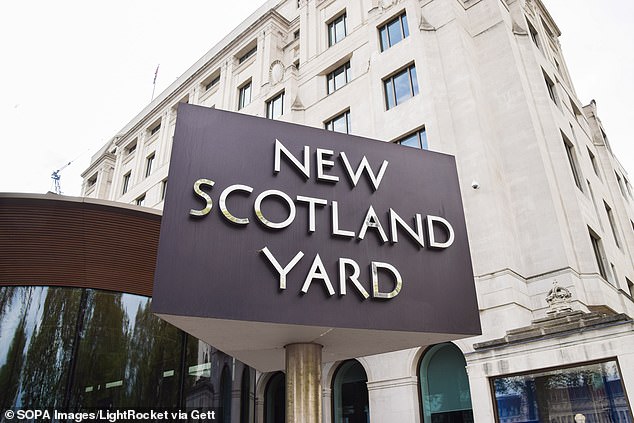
pixel 275 233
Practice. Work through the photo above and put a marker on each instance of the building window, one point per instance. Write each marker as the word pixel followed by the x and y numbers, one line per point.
pixel 577 112
pixel 630 287
pixel 394 31
pixel 595 165
pixel 212 82
pixel 140 200
pixel 148 164
pixel 163 189
pixel 599 255
pixel 534 35
pixel 350 394
pixel 400 86
pixel 608 211
pixel 338 78
pixel 155 129
pixel 275 399
pixel 443 376
pixel 248 54
pixel 337 30
pixel 572 160
pixel 594 390
pixel 550 85
pixel 244 97
pixel 417 139
pixel 126 182
pixel 275 106
pixel 130 148
pixel 619 181
pixel 296 35
pixel 340 123
pixel 92 180
pixel 615 279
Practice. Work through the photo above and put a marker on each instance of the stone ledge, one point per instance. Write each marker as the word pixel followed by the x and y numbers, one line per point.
pixel 559 324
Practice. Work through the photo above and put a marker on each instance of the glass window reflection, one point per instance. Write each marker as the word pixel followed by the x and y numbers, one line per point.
pixel 400 86
pixel 37 325
pixel 593 390
pixel 126 356
pixel 76 348
pixel 350 394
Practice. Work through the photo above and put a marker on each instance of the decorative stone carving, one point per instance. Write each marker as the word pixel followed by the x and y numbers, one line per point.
pixel 297 104
pixel 386 4
pixel 424 25
pixel 276 72
pixel 558 299
pixel 518 30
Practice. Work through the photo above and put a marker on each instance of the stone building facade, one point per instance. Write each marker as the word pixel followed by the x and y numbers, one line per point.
pixel 548 206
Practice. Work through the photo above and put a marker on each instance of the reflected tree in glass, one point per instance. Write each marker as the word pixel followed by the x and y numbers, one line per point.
pixel 50 348
pixel 102 354
pixel 154 368
pixel 10 370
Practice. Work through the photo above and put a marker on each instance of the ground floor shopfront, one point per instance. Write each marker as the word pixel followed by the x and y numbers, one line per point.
pixel 92 341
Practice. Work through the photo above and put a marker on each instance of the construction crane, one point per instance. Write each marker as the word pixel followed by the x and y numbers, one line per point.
pixel 55 176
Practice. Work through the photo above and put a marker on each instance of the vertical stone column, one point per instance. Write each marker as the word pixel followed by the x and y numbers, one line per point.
pixel 303 383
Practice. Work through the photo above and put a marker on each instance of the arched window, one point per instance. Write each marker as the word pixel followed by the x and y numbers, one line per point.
pixel 275 399
pixel 350 394
pixel 445 386
pixel 225 394
pixel 245 404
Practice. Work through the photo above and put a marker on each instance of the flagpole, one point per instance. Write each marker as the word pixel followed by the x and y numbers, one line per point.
pixel 154 82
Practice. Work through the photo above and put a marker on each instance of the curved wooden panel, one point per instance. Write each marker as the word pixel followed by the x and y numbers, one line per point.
pixel 77 242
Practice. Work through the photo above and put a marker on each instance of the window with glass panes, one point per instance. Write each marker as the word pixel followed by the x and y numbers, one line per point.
pixel 148 164
pixel 337 30
pixel 275 106
pixel 340 123
pixel 394 31
pixel 598 253
pixel 338 78
pixel 417 139
pixel 244 97
pixel 126 182
pixel 400 86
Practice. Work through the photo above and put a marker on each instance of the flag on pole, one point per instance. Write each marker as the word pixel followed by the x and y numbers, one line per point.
pixel 154 82
pixel 156 73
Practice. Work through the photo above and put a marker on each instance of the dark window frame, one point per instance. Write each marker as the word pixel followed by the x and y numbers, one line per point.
pixel 401 18
pixel 572 160
pixel 331 77
pixel 329 125
pixel 149 160
pixel 421 134
pixel 212 82
pixel 246 56
pixel 599 253
pixel 389 87
pixel 334 36
pixel 126 182
pixel 242 94
pixel 270 106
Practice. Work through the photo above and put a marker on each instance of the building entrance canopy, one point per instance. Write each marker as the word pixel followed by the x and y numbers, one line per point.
pixel 275 233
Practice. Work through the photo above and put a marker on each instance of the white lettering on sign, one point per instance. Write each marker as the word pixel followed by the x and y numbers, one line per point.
pixel 437 233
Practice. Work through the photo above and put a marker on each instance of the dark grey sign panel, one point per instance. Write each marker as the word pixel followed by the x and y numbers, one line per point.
pixel 275 233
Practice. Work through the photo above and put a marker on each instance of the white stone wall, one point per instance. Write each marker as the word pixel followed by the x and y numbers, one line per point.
pixel 483 98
